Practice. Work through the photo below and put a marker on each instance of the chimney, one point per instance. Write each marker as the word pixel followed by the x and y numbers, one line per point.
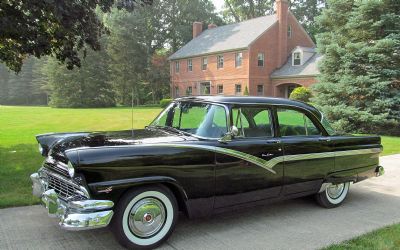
pixel 282 15
pixel 212 26
pixel 197 29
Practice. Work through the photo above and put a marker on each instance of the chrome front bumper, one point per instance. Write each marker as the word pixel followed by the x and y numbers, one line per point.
pixel 73 215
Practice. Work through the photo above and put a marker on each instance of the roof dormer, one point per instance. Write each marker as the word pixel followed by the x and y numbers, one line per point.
pixel 300 55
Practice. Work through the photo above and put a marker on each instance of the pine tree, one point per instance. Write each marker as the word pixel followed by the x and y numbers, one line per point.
pixel 21 88
pixel 87 86
pixel 359 86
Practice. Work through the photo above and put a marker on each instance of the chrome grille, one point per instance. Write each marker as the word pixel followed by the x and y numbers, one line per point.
pixel 57 166
pixel 65 188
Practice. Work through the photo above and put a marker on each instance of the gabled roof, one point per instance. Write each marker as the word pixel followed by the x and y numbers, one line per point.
pixel 224 38
pixel 309 68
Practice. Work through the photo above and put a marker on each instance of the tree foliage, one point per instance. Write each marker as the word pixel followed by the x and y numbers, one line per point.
pixel 60 28
pixel 240 10
pixel 179 16
pixel 22 89
pixel 304 10
pixel 87 86
pixel 359 86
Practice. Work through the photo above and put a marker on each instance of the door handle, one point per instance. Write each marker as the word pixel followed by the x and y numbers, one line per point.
pixel 324 139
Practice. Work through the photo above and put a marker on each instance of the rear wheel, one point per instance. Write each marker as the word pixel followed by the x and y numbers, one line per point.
pixel 145 217
pixel 333 195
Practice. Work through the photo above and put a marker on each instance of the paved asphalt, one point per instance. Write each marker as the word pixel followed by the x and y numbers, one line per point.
pixel 294 224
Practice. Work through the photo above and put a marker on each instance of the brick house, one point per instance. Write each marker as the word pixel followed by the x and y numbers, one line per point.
pixel 269 55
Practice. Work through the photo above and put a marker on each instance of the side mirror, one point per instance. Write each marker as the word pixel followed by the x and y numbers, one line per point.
pixel 230 135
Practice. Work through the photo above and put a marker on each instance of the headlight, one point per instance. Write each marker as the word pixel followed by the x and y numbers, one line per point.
pixel 40 149
pixel 71 169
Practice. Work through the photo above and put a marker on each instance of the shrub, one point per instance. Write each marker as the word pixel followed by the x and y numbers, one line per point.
pixel 246 91
pixel 301 94
pixel 165 102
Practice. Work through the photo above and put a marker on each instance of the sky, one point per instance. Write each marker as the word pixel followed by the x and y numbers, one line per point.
pixel 218 4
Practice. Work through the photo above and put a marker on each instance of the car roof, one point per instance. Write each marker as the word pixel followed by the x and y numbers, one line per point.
pixel 251 100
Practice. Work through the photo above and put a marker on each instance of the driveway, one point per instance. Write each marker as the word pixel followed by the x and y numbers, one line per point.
pixel 294 224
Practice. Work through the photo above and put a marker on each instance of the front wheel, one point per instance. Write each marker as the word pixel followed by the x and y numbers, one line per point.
pixel 145 217
pixel 333 195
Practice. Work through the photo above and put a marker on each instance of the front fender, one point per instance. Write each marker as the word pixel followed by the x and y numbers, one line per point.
pixel 47 141
pixel 115 185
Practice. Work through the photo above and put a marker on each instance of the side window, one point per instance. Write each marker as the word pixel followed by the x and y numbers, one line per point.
pixel 239 120
pixel 293 122
pixel 252 121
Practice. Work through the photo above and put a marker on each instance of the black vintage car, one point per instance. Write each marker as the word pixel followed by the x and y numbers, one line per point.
pixel 200 156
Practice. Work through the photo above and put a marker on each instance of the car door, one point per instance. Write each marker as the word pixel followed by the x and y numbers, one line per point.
pixel 308 151
pixel 251 175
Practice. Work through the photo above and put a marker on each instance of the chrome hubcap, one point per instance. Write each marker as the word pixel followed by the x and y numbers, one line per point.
pixel 335 191
pixel 147 217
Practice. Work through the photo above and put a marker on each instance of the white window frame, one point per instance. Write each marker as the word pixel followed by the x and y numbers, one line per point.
pixel 238 59
pixel 204 63
pixel 262 92
pixel 189 93
pixel 220 61
pixel 290 31
pixel 262 54
pixel 237 85
pixel 222 88
pixel 177 66
pixel 300 58
pixel 189 65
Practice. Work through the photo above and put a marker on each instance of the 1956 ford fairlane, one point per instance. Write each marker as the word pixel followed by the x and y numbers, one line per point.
pixel 201 156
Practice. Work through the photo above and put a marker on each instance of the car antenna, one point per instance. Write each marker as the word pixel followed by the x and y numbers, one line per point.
pixel 132 114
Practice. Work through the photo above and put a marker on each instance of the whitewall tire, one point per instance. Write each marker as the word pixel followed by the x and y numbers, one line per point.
pixel 145 217
pixel 333 195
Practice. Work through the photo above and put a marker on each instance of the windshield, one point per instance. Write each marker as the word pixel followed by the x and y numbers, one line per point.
pixel 200 119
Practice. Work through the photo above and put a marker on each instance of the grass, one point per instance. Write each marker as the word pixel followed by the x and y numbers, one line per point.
pixel 391 145
pixel 19 156
pixel 384 238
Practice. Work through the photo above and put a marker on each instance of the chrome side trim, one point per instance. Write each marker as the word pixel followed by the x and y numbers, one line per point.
pixel 268 165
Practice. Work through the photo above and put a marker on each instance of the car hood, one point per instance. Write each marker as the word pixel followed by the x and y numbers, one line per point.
pixel 59 142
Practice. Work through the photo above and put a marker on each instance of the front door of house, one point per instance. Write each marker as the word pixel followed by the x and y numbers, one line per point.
pixel 289 89
pixel 205 88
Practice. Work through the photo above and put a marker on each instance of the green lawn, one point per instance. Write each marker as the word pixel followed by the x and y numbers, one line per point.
pixel 19 156
pixel 385 238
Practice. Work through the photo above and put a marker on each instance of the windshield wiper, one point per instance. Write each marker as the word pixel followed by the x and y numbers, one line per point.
pixel 172 129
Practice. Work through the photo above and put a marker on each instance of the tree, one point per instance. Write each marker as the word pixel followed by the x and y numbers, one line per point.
pixel 179 16
pixel 87 86
pixel 304 10
pixel 359 85
pixel 129 55
pixel 158 76
pixel 61 28
pixel 240 10
pixel 21 89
